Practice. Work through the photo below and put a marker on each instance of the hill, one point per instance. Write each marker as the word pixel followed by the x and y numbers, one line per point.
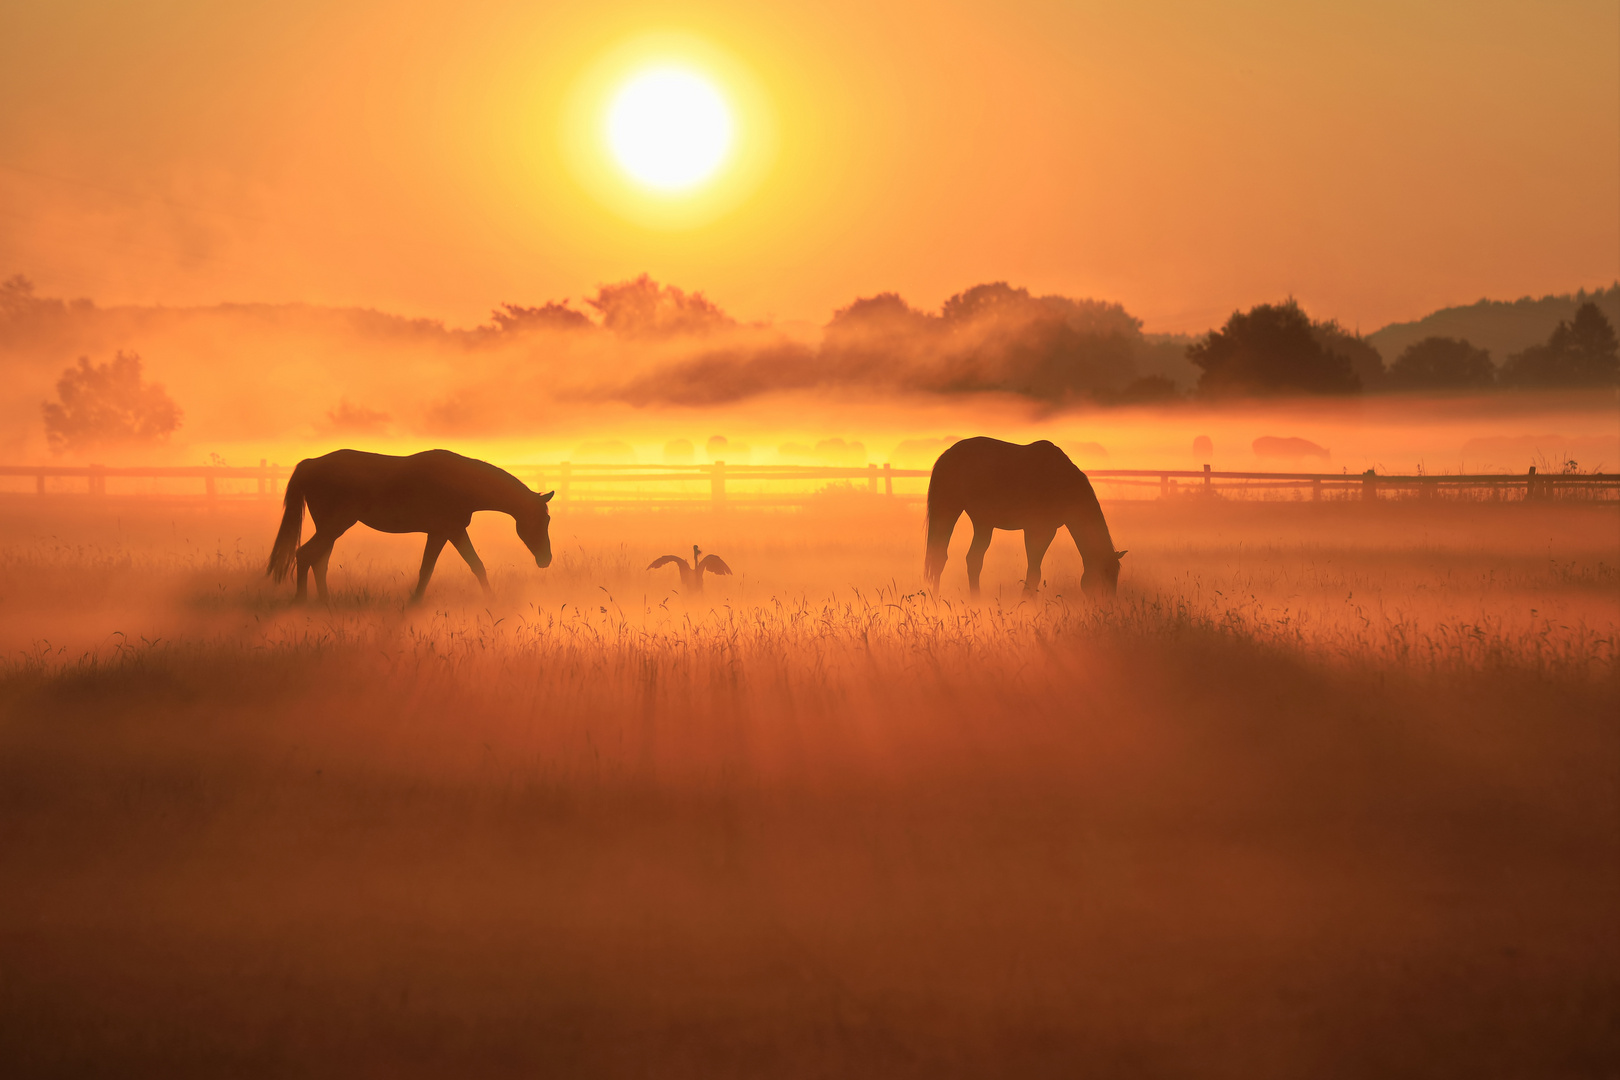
pixel 1503 327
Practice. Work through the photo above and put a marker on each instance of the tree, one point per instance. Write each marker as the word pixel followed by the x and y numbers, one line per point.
pixel 1581 352
pixel 517 319
pixel 1270 349
pixel 1001 338
pixel 1441 363
pixel 643 308
pixel 1365 359
pixel 108 404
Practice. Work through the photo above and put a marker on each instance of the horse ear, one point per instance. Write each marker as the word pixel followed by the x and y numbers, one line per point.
pixel 547 496
pixel 1120 554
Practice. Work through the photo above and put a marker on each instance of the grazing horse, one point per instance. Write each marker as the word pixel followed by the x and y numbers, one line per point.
pixel 435 492
pixel 1002 485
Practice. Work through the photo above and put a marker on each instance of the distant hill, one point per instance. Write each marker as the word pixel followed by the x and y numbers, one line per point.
pixel 1503 327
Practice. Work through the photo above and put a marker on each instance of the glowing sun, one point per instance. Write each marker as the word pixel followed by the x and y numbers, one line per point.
pixel 669 128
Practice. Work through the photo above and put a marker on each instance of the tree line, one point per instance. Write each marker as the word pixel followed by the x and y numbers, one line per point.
pixel 1279 349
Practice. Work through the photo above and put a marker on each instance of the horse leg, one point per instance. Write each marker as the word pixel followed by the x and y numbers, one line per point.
pixel 430 556
pixel 1036 541
pixel 464 545
pixel 322 558
pixel 975 556
pixel 940 527
pixel 312 556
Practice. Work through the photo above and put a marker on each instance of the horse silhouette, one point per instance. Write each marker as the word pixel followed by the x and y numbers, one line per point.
pixel 1003 485
pixel 692 576
pixel 436 492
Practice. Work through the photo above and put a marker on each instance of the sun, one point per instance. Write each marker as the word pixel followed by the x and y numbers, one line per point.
pixel 669 128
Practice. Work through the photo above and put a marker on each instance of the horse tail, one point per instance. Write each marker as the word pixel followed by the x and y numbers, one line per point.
pixel 285 551
pixel 941 523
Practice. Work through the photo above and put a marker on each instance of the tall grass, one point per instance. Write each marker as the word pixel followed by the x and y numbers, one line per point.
pixel 1315 795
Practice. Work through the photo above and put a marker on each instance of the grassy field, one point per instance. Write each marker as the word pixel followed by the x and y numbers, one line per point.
pixel 1329 790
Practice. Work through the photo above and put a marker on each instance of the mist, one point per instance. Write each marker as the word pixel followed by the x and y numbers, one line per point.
pixel 639 366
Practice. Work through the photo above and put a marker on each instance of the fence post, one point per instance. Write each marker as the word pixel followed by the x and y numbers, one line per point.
pixel 888 480
pixel 1530 485
pixel 1164 485
pixel 263 464
pixel 564 472
pixel 1208 487
pixel 1369 486
pixel 1316 490
pixel 871 477
pixel 717 484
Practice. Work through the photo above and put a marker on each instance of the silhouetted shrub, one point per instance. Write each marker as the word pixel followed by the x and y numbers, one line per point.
pixel 1270 349
pixel 1581 352
pixel 1439 363
pixel 108 404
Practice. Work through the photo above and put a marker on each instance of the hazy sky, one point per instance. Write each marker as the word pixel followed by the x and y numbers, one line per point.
pixel 1374 160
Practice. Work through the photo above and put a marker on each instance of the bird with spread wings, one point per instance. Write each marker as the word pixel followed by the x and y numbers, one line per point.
pixel 692 575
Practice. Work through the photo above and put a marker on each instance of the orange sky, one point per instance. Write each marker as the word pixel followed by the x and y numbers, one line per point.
pixel 1375 160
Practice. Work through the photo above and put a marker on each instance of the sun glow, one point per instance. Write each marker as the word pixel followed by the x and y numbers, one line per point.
pixel 669 128
pixel 669 131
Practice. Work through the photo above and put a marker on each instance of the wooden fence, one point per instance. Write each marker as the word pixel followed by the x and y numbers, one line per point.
pixel 721 485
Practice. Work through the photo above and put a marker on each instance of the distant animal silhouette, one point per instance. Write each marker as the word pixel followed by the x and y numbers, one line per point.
pixel 692 576
pixel 435 492
pixel 1003 485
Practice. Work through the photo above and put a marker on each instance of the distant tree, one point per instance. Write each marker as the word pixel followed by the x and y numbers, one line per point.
pixel 1365 359
pixel 643 308
pixel 517 319
pixel 1440 363
pixel 16 297
pixel 108 404
pixel 1270 349
pixel 1580 352
pixel 1053 348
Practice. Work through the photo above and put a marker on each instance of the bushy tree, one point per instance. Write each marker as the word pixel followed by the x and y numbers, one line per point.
pixel 1442 363
pixel 1579 353
pixel 1365 359
pixel 1270 349
pixel 108 404
pixel 643 308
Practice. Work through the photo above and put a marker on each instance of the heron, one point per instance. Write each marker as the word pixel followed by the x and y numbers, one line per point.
pixel 692 575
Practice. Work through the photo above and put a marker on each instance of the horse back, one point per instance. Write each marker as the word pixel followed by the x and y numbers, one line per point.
pixel 1003 481
pixel 416 492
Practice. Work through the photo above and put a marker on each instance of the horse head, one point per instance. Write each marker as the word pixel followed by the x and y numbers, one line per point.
pixel 1101 577
pixel 534 529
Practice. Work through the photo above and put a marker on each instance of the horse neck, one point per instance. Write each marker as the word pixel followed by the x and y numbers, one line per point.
pixel 1089 528
pixel 497 489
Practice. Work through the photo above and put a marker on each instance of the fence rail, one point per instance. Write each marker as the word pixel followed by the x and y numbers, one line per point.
pixel 591 485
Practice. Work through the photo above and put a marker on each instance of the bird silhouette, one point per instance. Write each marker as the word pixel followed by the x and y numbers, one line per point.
pixel 692 575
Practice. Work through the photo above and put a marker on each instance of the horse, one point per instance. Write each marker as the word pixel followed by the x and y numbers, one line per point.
pixel 1003 485
pixel 436 492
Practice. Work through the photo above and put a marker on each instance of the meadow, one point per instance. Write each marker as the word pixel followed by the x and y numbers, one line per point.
pixel 1328 790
